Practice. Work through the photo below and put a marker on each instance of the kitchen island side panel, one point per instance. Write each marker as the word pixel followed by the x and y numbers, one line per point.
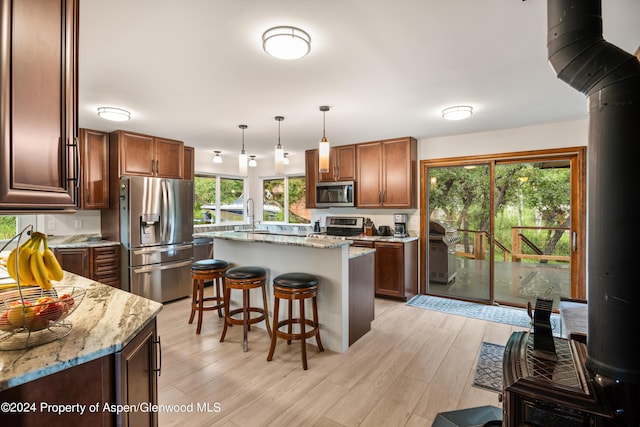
pixel 330 265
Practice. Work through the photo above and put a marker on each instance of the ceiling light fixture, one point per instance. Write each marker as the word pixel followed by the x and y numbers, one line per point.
pixel 279 153
pixel 242 158
pixel 323 149
pixel 217 158
pixel 114 114
pixel 252 161
pixel 458 112
pixel 286 42
pixel 285 159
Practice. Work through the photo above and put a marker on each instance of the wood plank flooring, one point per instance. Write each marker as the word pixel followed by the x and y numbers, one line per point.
pixel 412 365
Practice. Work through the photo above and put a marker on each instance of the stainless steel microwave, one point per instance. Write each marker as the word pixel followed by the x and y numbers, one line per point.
pixel 334 194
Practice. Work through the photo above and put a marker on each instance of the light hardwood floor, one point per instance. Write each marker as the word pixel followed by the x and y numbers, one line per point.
pixel 413 364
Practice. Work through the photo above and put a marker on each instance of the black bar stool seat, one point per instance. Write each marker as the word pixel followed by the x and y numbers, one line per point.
pixel 203 271
pixel 245 278
pixel 290 287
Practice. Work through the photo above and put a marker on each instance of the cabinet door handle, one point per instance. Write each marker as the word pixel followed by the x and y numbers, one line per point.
pixel 157 166
pixel 76 161
pixel 153 166
pixel 158 368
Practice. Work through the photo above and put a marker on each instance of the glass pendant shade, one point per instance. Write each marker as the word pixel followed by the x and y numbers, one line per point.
pixel 217 158
pixel 252 162
pixel 285 160
pixel 323 156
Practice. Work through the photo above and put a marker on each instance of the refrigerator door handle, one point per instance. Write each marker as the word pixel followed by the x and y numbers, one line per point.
pixel 164 211
pixel 160 267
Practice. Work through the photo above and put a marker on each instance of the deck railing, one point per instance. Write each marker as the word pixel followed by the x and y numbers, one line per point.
pixel 480 246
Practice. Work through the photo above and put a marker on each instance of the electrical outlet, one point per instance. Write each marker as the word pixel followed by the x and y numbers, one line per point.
pixel 78 224
pixel 51 224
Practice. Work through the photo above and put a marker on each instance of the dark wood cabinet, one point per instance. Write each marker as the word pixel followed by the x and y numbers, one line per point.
pixel 144 155
pixel 342 164
pixel 105 265
pixel 386 173
pixel 189 163
pixel 101 264
pixel 396 268
pixel 128 377
pixel 74 260
pixel 543 392
pixel 311 175
pixel 94 166
pixel 38 104
pixel 137 378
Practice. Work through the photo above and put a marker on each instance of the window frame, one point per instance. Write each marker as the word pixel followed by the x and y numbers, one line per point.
pixel 286 197
pixel 217 178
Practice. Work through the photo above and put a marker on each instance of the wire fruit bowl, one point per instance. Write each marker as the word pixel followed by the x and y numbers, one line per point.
pixel 34 315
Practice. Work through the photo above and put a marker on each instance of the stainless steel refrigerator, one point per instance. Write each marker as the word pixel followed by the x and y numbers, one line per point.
pixel 156 227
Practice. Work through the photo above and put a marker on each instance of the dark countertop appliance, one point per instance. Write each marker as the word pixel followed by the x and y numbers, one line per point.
pixel 344 225
pixel 335 194
pixel 442 252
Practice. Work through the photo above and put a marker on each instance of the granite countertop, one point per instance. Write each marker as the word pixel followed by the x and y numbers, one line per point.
pixel 79 241
pixel 262 237
pixel 386 238
pixel 104 322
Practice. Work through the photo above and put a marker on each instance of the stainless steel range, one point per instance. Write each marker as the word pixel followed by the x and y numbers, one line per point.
pixel 344 225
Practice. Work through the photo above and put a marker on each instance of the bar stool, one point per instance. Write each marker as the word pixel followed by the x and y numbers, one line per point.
pixel 204 271
pixel 295 286
pixel 244 279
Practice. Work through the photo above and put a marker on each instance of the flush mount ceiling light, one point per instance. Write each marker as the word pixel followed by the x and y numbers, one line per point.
pixel 279 153
pixel 323 149
pixel 285 159
pixel 252 161
pixel 458 112
pixel 114 114
pixel 217 158
pixel 242 158
pixel 286 42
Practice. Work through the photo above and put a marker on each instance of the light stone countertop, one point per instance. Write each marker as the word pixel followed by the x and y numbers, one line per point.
pixel 74 241
pixel 106 320
pixel 288 240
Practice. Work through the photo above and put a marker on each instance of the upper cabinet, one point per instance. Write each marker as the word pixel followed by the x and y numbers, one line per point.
pixel 189 163
pixel 94 166
pixel 386 173
pixel 342 164
pixel 38 104
pixel 144 155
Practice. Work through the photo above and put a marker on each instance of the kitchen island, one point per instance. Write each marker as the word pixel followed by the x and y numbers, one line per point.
pixel 112 345
pixel 328 259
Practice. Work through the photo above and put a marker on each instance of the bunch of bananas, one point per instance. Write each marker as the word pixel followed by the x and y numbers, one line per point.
pixel 34 266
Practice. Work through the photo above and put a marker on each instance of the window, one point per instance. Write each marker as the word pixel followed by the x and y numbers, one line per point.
pixel 217 200
pixel 7 227
pixel 284 200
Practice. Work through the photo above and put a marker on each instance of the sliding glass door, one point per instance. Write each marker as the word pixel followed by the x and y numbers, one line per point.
pixel 504 229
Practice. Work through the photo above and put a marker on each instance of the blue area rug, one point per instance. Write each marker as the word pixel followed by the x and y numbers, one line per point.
pixel 492 313
pixel 489 368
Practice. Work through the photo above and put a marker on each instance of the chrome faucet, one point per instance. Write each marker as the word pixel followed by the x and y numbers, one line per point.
pixel 251 214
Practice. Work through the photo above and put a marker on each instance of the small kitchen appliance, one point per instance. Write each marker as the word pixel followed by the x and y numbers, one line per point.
pixel 400 225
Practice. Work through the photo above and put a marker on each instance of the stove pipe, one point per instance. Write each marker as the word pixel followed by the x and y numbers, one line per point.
pixel 610 78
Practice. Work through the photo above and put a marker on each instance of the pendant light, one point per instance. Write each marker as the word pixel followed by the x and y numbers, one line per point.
pixel 279 153
pixel 252 161
pixel 323 151
pixel 217 158
pixel 242 158
pixel 285 159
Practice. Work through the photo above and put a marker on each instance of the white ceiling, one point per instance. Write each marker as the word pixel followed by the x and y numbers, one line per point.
pixel 194 70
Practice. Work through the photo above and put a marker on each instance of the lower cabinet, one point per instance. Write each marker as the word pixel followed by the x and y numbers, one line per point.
pixel 396 268
pixel 101 264
pixel 93 390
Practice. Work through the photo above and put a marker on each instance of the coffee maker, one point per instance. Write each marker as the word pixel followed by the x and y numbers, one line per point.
pixel 400 225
